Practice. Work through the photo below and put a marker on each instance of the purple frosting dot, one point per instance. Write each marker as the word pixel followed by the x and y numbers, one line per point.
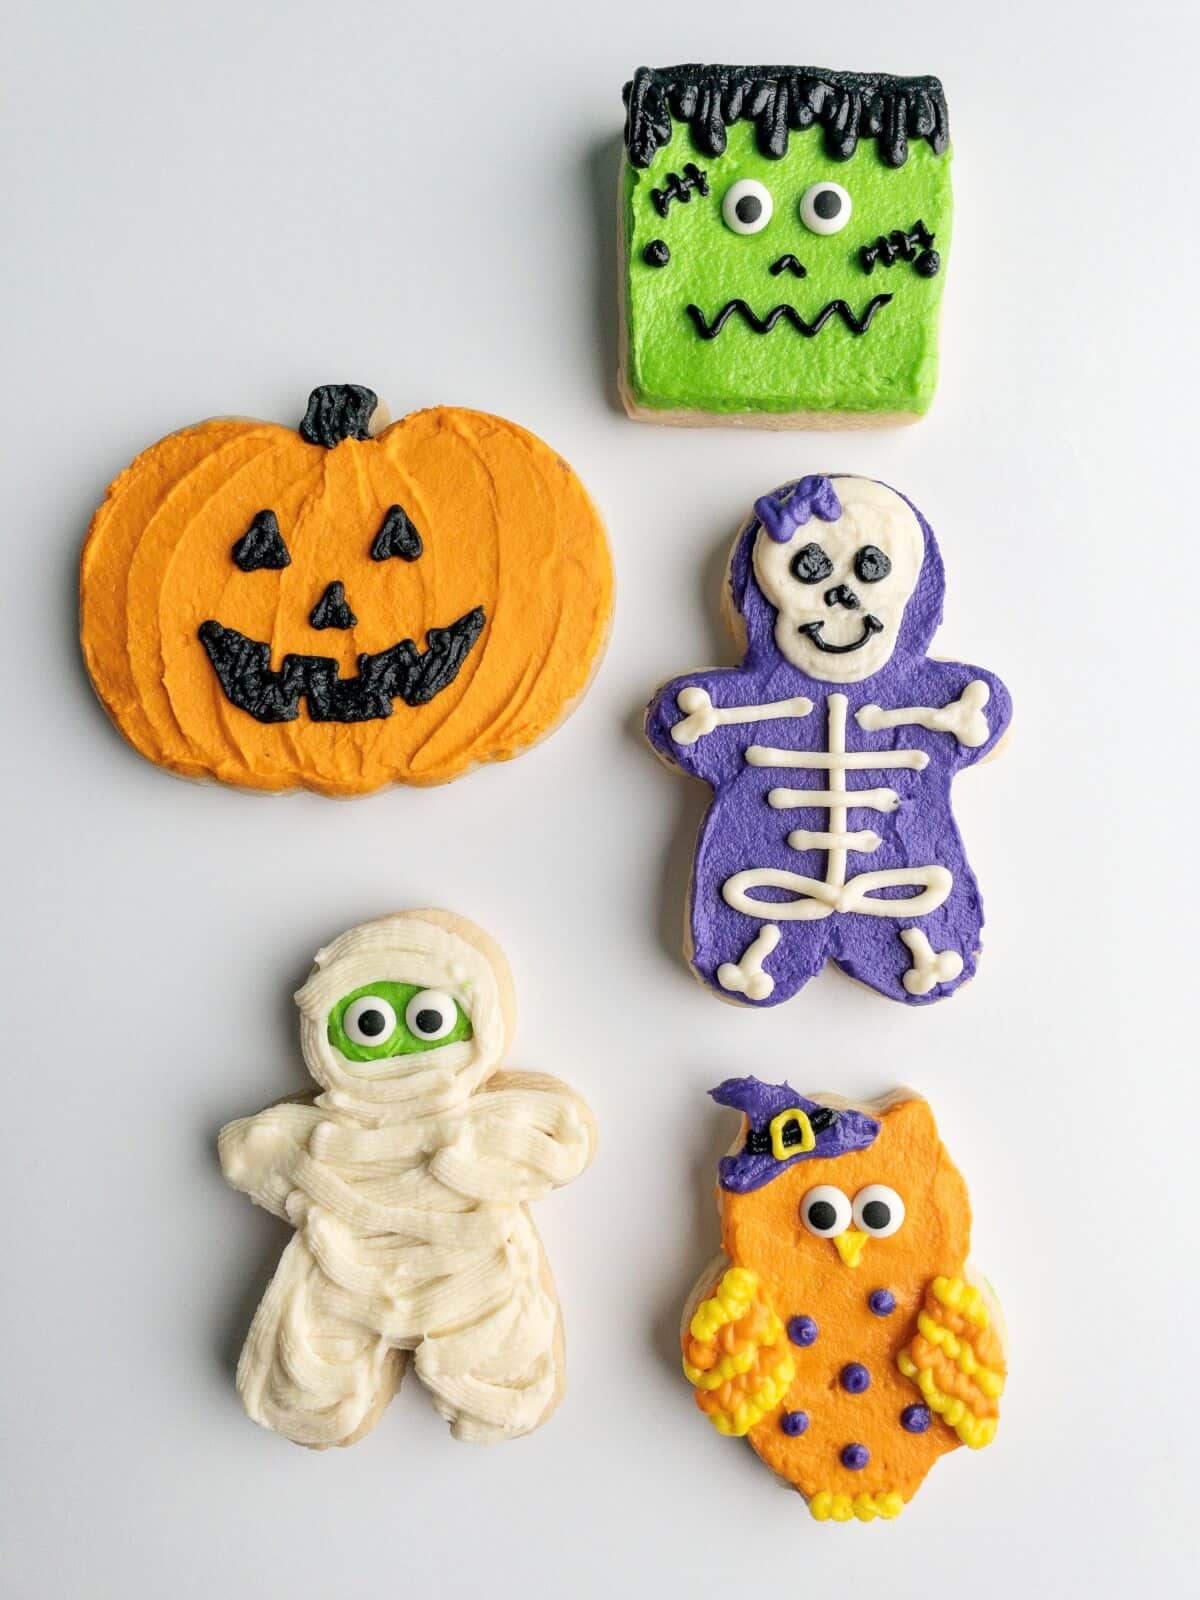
pixel 915 1419
pixel 802 1330
pixel 855 1378
pixel 794 1423
pixel 882 1302
pixel 855 1457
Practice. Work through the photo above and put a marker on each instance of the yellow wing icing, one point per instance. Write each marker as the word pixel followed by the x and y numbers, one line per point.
pixel 829 1507
pixel 957 1361
pixel 736 1354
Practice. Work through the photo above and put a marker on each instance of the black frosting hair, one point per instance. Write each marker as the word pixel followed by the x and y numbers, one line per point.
pixel 849 106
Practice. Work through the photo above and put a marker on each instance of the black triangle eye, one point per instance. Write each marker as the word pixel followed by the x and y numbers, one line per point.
pixel 396 537
pixel 262 545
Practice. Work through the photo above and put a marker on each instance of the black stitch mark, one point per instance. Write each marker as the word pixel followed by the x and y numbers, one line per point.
pixel 901 246
pixel 834 308
pixel 679 188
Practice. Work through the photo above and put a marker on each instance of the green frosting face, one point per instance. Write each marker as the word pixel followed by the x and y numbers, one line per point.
pixel 386 1019
pixel 820 327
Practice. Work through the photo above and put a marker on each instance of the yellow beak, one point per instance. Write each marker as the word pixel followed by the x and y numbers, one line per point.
pixel 850 1246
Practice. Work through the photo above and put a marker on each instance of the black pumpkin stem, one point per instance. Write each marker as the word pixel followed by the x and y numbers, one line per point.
pixel 338 411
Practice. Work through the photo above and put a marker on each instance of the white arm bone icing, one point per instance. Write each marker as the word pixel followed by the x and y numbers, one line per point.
pixel 517 1141
pixel 963 717
pixel 258 1154
pixel 701 716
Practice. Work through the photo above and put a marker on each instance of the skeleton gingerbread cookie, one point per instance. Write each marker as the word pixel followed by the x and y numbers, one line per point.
pixel 407 1180
pixel 831 751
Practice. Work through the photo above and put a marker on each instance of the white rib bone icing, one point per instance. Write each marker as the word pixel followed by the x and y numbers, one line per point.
pixel 407 1195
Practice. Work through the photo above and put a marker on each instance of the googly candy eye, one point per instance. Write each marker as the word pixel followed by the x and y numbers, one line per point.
pixel 747 206
pixel 431 1014
pixel 825 207
pixel 369 1021
pixel 825 1211
pixel 878 1211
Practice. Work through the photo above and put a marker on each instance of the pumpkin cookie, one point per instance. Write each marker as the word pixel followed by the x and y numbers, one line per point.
pixel 320 608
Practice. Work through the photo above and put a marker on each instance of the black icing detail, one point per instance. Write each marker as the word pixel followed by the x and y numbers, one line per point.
pixel 338 411
pixel 371 1023
pixel 827 204
pixel 900 246
pixel 788 263
pixel 871 564
pixel 262 545
pixel 842 595
pixel 400 673
pixel 331 610
pixel 877 1214
pixel 833 308
pixel 677 187
pixel 813 630
pixel 396 537
pixel 781 100
pixel 430 1021
pixel 811 564
pixel 656 253
pixel 928 264
pixel 758 1140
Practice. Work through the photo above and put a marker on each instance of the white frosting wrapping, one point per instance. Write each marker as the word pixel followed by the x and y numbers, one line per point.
pixel 407 1192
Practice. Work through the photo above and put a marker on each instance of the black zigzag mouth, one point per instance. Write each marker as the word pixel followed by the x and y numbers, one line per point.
pixel 809 330
pixel 402 672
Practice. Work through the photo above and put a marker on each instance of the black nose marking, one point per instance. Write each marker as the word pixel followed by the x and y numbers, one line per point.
pixel 788 263
pixel 840 595
pixel 331 610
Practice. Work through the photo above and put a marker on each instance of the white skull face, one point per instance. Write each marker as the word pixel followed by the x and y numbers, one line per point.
pixel 840 588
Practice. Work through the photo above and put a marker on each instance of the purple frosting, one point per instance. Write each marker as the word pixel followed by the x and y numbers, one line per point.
pixel 741 831
pixel 915 1419
pixel 781 514
pixel 855 1456
pixel 794 1423
pixel 802 1330
pixel 759 1102
pixel 882 1302
pixel 855 1378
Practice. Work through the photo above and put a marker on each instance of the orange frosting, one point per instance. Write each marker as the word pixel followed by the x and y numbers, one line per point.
pixel 505 524
pixel 801 1275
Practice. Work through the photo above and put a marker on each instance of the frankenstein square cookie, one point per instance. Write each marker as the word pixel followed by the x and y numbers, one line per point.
pixel 785 232
pixel 407 1179
pixel 842 1330
pixel 320 608
pixel 830 752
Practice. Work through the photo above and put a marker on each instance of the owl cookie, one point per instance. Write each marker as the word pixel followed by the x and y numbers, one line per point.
pixel 323 608
pixel 830 752
pixel 407 1178
pixel 842 1331
pixel 785 234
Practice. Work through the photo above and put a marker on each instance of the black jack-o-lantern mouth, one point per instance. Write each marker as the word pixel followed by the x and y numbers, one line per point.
pixel 401 672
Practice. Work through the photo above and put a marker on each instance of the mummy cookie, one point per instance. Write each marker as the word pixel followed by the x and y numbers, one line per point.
pixel 830 752
pixel 407 1179
pixel 785 235
pixel 842 1331
pixel 252 597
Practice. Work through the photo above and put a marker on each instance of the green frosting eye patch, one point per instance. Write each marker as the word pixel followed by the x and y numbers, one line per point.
pixel 395 1019
pixel 758 205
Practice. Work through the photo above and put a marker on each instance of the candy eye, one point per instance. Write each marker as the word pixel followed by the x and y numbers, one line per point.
pixel 431 1014
pixel 825 208
pixel 825 1211
pixel 870 564
pixel 369 1021
pixel 811 564
pixel 878 1210
pixel 747 206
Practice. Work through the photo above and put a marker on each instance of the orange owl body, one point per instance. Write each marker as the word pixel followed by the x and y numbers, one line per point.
pixel 850 1349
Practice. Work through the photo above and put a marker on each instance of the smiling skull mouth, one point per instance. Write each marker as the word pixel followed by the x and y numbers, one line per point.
pixel 871 625
pixel 783 313
pixel 402 672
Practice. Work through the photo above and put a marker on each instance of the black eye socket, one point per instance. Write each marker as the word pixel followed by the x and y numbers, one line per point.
pixel 396 537
pixel 811 564
pixel 870 564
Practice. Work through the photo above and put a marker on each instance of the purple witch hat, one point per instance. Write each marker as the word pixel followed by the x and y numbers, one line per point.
pixel 784 1128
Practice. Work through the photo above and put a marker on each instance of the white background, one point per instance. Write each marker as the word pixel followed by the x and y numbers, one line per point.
pixel 210 209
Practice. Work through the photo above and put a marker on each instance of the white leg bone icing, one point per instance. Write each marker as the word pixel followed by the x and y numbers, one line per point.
pixel 747 975
pixel 930 967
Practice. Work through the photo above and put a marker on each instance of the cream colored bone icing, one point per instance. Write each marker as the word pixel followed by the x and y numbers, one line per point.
pixel 408 1196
